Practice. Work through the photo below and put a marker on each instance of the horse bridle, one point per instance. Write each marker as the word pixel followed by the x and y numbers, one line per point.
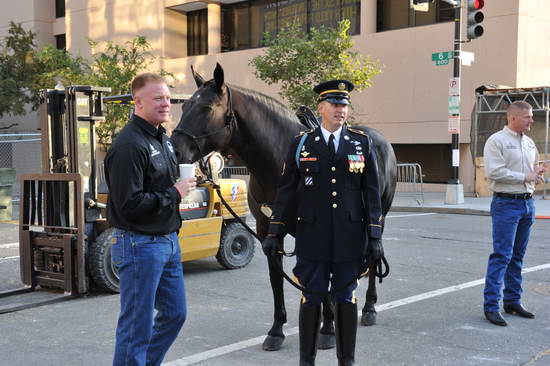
pixel 230 123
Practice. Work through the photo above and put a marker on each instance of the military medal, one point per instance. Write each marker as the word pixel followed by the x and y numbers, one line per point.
pixel 354 163
pixel 350 162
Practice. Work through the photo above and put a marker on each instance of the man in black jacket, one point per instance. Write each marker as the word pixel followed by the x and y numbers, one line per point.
pixel 331 173
pixel 141 171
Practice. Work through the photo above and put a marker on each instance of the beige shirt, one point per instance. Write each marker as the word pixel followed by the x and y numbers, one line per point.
pixel 508 155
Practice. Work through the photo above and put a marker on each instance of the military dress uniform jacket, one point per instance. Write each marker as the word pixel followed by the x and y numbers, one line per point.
pixel 334 205
pixel 141 170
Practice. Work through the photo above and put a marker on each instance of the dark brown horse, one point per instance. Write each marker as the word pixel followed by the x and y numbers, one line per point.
pixel 259 130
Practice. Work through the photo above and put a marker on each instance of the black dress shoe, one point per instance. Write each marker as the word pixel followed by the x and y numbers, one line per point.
pixel 519 310
pixel 495 318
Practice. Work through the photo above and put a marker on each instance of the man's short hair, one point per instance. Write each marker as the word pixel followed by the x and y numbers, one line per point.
pixel 143 79
pixel 517 106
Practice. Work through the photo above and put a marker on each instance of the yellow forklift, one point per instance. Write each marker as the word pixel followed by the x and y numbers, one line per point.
pixel 64 237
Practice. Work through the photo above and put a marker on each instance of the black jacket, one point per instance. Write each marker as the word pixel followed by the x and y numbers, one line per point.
pixel 333 210
pixel 141 169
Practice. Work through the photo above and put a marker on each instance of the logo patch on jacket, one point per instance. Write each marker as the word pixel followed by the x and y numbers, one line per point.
pixel 170 147
pixel 154 152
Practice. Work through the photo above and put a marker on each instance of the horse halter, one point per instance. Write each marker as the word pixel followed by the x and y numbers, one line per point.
pixel 230 123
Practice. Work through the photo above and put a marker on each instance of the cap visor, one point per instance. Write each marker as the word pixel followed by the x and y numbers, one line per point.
pixel 338 100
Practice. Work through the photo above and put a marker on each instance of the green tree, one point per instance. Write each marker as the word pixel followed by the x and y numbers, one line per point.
pixel 25 70
pixel 298 60
pixel 115 67
pixel 16 70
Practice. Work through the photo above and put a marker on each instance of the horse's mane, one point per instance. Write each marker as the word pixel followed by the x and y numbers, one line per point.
pixel 267 105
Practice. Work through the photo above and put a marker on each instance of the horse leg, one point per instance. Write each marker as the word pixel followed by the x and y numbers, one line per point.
pixel 327 335
pixel 369 312
pixel 275 336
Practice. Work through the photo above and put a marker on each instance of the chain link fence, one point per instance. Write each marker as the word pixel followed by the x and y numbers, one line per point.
pixel 23 152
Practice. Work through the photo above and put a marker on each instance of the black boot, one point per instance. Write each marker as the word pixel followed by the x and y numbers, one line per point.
pixel 346 332
pixel 309 321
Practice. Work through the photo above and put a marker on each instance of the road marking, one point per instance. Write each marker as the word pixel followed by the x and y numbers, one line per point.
pixel 9 258
pixel 9 245
pixel 220 351
pixel 420 214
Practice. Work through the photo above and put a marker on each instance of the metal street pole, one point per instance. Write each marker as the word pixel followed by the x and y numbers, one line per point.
pixel 455 190
pixel 456 74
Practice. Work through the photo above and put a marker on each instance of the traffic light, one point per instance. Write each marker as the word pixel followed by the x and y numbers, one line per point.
pixel 475 17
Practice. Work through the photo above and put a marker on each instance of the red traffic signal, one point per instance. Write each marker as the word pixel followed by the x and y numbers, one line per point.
pixel 475 17
pixel 478 4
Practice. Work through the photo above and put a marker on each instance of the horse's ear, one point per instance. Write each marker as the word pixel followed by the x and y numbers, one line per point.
pixel 218 76
pixel 199 80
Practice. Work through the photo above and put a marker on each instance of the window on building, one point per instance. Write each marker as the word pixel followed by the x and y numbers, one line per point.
pixel 197 32
pixel 61 42
pixel 244 23
pixel 59 8
pixel 395 14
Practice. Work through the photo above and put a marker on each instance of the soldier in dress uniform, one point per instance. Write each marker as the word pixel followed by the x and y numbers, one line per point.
pixel 330 179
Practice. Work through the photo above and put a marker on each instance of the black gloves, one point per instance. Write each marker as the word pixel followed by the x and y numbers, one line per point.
pixel 269 245
pixel 375 249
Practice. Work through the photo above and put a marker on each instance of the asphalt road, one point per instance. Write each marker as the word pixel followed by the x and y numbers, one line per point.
pixel 430 308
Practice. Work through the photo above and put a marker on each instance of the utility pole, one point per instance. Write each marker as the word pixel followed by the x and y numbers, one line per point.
pixel 455 190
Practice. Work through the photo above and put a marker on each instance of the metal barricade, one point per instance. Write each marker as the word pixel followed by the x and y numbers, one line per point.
pixel 235 172
pixel 21 151
pixel 409 181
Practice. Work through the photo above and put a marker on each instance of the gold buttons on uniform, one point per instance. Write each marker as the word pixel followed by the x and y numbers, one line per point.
pixel 307 169
pixel 298 218
pixel 333 180
pixel 333 168
pixel 334 205
pixel 334 193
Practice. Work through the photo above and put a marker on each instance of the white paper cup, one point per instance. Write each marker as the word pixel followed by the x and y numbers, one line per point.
pixel 187 171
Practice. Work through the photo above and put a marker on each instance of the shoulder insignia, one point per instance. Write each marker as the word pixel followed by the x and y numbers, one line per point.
pixel 302 133
pixel 357 131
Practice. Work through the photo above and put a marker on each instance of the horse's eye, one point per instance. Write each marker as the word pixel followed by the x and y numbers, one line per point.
pixel 206 109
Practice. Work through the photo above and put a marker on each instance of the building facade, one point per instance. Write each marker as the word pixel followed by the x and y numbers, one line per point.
pixel 408 101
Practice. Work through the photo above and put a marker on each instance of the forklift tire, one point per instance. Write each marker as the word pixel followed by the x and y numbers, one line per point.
pixel 103 272
pixel 236 246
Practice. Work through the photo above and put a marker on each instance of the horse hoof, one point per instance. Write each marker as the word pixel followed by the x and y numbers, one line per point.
pixel 273 343
pixel 368 318
pixel 326 341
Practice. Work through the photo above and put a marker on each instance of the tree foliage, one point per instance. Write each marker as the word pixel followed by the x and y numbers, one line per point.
pixel 25 70
pixel 298 61
pixel 16 68
pixel 115 67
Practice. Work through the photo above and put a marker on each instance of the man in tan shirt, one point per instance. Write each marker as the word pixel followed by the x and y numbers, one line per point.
pixel 512 168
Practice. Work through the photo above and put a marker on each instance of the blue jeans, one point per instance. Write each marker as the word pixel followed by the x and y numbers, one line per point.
pixel 315 276
pixel 151 277
pixel 512 221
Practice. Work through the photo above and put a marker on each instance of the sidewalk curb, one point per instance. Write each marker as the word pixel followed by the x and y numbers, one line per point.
pixel 444 210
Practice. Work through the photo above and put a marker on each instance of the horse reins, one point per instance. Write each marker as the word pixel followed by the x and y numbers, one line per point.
pixel 230 123
pixel 380 272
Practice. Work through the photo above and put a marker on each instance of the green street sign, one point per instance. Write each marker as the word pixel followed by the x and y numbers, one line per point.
pixel 442 58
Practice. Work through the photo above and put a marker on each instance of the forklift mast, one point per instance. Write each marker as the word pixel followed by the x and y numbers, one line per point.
pixel 58 207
